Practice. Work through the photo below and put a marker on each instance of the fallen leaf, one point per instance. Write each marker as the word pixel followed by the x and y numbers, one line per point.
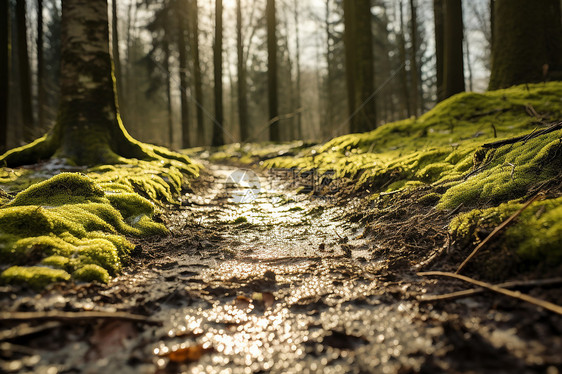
pixel 242 302
pixel 188 354
pixel 265 299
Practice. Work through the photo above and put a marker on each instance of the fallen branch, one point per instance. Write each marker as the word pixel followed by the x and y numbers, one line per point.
pixel 496 230
pixel 19 332
pixel 514 294
pixel 517 139
pixel 476 291
pixel 74 317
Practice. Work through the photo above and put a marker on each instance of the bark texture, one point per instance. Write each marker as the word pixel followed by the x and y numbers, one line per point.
pixel 88 130
pixel 242 84
pixel 359 65
pixel 4 73
pixel 218 134
pixel 25 73
pixel 527 42
pixel 453 76
pixel 197 76
pixel 274 130
pixel 439 46
pixel 181 16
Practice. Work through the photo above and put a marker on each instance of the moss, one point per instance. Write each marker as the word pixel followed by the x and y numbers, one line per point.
pixel 536 236
pixel 60 189
pixel 91 273
pixel 240 220
pixel 37 277
pixel 429 199
pixel 56 262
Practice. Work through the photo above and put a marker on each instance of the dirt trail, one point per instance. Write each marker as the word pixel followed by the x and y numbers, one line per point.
pixel 262 279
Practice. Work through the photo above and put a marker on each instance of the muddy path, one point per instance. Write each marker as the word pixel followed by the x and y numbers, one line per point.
pixel 258 278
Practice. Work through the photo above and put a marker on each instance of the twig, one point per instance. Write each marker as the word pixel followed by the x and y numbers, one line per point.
pixel 475 291
pixel 73 317
pixel 534 134
pixel 498 229
pixel 514 294
pixel 21 331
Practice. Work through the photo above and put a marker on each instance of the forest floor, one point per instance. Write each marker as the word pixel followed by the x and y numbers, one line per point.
pixel 260 278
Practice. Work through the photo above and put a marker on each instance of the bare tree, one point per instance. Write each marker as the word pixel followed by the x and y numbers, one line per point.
pixel 4 72
pixel 242 83
pixel 274 130
pixel 218 136
pixel 453 76
pixel 24 69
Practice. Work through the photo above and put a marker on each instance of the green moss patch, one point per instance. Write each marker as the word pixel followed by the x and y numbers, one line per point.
pixel 442 151
pixel 535 237
pixel 74 226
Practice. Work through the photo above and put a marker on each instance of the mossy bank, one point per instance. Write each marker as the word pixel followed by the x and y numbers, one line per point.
pixel 74 226
pixel 452 152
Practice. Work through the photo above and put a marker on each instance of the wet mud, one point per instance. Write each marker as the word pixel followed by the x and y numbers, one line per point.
pixel 257 278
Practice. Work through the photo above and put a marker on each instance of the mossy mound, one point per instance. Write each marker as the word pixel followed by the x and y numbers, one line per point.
pixel 443 152
pixel 535 237
pixel 74 226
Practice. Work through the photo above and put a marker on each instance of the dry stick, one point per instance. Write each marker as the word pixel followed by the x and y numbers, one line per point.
pixel 498 229
pixel 533 134
pixel 73 317
pixel 475 291
pixel 514 294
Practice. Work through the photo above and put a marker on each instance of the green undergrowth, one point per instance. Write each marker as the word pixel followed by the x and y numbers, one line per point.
pixel 74 225
pixel 443 150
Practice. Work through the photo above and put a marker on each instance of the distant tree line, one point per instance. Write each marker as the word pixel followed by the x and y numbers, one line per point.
pixel 189 74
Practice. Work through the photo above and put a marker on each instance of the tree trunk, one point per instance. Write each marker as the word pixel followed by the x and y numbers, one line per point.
pixel 169 113
pixel 439 46
pixel 298 71
pixel 453 77
pixel 40 68
pixel 404 71
pixel 25 74
pixel 527 42
pixel 218 136
pixel 89 130
pixel 274 130
pixel 181 16
pixel 4 73
pixel 414 58
pixel 329 78
pixel 197 76
pixel 359 65
pixel 242 84
pixel 115 50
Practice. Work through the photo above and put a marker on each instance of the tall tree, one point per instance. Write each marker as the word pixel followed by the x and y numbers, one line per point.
pixel 438 18
pixel 218 135
pixel 4 72
pixel 168 78
pixel 89 130
pixel 25 73
pixel 453 64
pixel 359 65
pixel 181 17
pixel 298 69
pixel 274 130
pixel 527 42
pixel 414 69
pixel 115 50
pixel 402 55
pixel 40 67
pixel 242 84
pixel 197 75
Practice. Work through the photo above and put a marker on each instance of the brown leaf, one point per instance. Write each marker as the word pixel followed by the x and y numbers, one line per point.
pixel 242 302
pixel 265 299
pixel 189 354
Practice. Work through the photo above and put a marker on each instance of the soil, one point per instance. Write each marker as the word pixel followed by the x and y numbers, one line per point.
pixel 266 278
